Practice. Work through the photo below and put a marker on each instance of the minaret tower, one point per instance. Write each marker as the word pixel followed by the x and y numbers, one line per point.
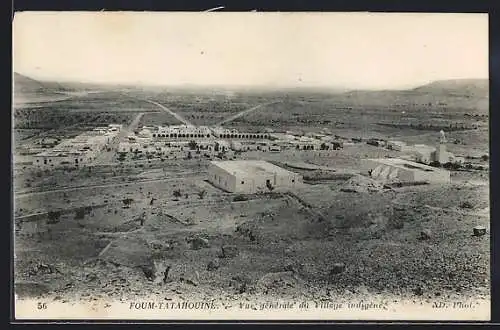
pixel 441 153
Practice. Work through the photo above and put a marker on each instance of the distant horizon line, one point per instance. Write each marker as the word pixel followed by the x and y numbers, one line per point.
pixel 241 86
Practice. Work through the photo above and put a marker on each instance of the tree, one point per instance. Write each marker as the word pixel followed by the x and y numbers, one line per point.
pixel 80 213
pixel 192 145
pixel 452 166
pixel 202 194
pixel 53 216
pixel 177 193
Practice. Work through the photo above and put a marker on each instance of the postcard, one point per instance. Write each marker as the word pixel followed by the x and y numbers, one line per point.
pixel 250 166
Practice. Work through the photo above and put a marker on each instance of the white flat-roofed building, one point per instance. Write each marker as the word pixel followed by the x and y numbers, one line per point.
pixel 251 176
pixel 60 158
pixel 397 145
pixel 77 151
pixel 396 169
pixel 182 132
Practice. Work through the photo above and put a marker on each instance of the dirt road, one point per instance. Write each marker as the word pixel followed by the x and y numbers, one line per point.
pixel 244 112
pixel 107 156
pixel 176 115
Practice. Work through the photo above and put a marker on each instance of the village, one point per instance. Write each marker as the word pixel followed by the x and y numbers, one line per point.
pixel 223 147
pixel 185 208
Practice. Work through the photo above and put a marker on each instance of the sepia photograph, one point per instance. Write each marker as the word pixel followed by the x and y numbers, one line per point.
pixel 250 166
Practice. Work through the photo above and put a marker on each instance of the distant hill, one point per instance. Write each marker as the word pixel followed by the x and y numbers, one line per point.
pixel 469 95
pixel 457 87
pixel 23 84
pixel 28 90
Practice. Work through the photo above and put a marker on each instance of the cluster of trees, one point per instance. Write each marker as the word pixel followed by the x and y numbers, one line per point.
pixel 430 126
pixel 178 194
pixel 52 118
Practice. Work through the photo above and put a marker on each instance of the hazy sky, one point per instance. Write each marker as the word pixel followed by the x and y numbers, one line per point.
pixel 349 50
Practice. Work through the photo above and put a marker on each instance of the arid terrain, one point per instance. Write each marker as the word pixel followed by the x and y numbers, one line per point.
pixel 110 231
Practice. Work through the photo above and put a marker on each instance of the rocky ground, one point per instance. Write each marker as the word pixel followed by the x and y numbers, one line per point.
pixel 415 242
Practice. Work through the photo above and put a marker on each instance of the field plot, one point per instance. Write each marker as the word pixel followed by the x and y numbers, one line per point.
pixel 158 118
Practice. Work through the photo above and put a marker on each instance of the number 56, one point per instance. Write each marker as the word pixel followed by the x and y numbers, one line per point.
pixel 42 305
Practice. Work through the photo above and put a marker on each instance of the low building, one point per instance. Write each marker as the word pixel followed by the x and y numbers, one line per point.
pixel 236 146
pixel 428 154
pixel 423 154
pixel 48 142
pixel 396 169
pixel 376 142
pixel 222 146
pixel 58 158
pixel 226 133
pixel 251 176
pixel 181 132
pixel 397 145
pixel 274 148
pixel 78 151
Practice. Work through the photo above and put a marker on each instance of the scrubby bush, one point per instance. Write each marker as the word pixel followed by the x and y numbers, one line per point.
pixel 80 213
pixel 177 193
pixel 53 216
pixel 452 166
pixel 466 205
pixel 127 201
